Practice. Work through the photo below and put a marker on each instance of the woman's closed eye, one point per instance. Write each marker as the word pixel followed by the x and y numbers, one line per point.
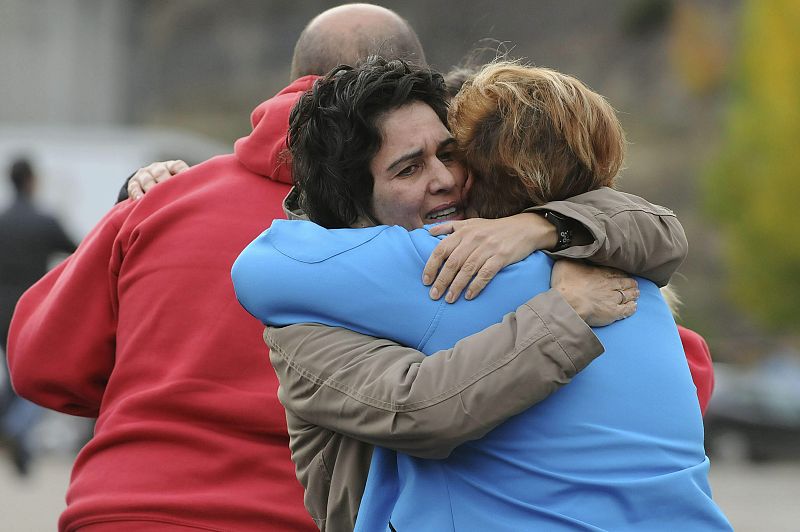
pixel 447 157
pixel 408 170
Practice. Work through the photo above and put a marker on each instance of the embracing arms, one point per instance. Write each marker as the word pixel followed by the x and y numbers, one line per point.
pixel 388 395
pixel 385 394
pixel 615 227
pixel 607 228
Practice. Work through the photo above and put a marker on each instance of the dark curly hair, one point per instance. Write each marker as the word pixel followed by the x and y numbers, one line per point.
pixel 334 133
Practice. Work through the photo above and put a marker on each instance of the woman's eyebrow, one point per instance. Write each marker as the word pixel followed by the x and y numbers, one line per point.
pixel 406 157
pixel 446 143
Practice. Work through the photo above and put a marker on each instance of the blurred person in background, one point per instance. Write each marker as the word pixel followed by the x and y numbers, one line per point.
pixel 29 240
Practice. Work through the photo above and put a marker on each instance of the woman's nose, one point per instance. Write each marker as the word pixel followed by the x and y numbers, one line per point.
pixel 442 179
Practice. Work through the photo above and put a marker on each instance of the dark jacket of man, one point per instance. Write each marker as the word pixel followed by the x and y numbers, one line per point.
pixel 28 239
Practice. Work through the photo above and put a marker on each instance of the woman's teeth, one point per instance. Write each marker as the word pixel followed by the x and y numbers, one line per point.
pixel 442 214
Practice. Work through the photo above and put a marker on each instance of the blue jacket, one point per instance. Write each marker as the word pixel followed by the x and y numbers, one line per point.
pixel 620 448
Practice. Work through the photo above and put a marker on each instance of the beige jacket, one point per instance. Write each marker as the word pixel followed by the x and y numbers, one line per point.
pixel 345 392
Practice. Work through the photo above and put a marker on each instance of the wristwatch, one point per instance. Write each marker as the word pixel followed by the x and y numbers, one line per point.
pixel 563 227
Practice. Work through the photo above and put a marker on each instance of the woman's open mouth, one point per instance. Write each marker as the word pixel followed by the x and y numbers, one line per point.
pixel 450 212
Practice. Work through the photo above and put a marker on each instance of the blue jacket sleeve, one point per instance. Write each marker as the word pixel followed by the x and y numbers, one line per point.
pixel 298 272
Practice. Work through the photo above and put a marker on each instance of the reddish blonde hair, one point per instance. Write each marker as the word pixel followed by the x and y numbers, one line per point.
pixel 532 135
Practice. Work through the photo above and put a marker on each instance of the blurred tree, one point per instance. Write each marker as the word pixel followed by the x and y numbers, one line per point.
pixel 754 187
pixel 697 50
pixel 643 17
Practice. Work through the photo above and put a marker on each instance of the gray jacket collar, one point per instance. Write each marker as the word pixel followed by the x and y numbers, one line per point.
pixel 291 206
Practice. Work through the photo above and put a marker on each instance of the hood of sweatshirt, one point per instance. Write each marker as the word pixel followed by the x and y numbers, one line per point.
pixel 264 150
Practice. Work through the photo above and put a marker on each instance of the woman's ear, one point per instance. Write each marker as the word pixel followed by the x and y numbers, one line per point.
pixel 362 222
pixel 469 211
pixel 365 219
pixel 466 196
pixel 468 185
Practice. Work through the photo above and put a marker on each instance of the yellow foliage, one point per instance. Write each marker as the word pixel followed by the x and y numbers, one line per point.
pixel 696 50
pixel 755 186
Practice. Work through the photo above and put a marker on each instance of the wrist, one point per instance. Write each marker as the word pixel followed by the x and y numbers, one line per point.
pixel 573 299
pixel 544 233
pixel 563 230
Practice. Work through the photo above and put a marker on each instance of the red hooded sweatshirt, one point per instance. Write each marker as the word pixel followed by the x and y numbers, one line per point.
pixel 699 357
pixel 141 328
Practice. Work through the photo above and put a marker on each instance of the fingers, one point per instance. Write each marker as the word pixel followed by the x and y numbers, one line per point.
pixel 134 189
pixel 621 312
pixel 626 283
pixel 444 228
pixel 487 272
pixel 631 294
pixel 605 314
pixel 146 178
pixel 149 177
pixel 471 256
pixel 624 309
pixel 627 310
pixel 463 276
pixel 599 295
pixel 610 315
pixel 626 288
pixel 177 166
pixel 612 273
pixel 142 181
pixel 455 263
pixel 477 268
pixel 440 253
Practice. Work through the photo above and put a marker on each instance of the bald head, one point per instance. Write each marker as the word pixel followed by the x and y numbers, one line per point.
pixel 349 33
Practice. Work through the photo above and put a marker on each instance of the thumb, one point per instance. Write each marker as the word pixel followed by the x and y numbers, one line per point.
pixel 444 228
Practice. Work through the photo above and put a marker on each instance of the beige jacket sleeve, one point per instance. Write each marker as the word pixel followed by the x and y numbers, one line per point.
pixel 623 231
pixel 388 395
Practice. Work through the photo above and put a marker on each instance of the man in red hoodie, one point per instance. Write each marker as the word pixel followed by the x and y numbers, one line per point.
pixel 141 329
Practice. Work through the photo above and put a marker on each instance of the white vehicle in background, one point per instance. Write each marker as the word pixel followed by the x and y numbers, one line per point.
pixel 754 413
pixel 81 169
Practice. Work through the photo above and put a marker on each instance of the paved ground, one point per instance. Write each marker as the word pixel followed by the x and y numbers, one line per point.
pixel 755 498
pixel 33 504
